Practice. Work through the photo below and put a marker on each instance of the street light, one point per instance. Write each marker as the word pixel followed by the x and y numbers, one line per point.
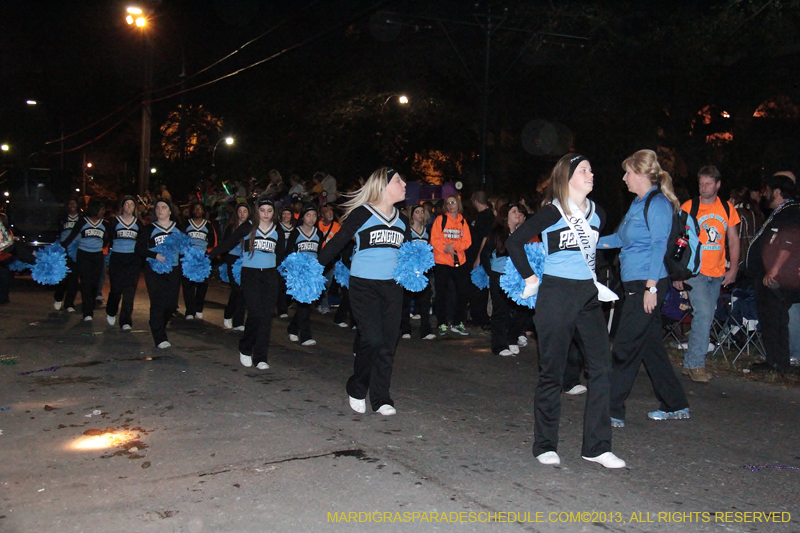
pixel 4 147
pixel 136 16
pixel 228 141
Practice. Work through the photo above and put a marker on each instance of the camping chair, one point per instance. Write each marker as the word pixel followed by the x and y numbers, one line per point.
pixel 744 314
pixel 676 314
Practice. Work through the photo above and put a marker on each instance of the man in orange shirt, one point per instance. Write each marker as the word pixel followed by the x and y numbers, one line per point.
pixel 718 223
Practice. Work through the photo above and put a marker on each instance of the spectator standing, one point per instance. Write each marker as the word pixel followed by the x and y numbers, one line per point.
pixel 479 228
pixel 450 238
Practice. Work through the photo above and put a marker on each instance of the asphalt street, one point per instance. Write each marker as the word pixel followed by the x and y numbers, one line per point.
pixel 102 432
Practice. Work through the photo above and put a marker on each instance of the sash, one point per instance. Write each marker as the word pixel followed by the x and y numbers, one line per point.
pixel 587 241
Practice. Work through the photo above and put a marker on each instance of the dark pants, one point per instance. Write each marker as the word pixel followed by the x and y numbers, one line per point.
pixel 194 295
pixel 572 374
pixel 123 274
pixel 639 341
pixel 5 282
pixel 773 315
pixel 343 312
pixel 452 284
pixel 568 309
pixel 422 307
pixel 478 302
pixel 90 268
pixel 283 298
pixel 260 288
pixel 163 290
pixel 508 318
pixel 301 321
pixel 376 306
pixel 235 307
pixel 68 287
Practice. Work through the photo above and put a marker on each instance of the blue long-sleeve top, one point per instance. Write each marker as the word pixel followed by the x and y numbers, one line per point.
pixel 643 249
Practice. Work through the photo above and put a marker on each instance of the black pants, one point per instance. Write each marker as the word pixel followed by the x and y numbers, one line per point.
pixel 5 282
pixel 451 291
pixel 376 306
pixel 568 309
pixel 478 302
pixel 639 341
pixel 343 312
pixel 572 374
pixel 301 321
pixel 283 298
pixel 422 307
pixel 68 287
pixel 163 290
pixel 773 314
pixel 260 288
pixel 123 275
pixel 194 295
pixel 235 307
pixel 508 318
pixel 90 268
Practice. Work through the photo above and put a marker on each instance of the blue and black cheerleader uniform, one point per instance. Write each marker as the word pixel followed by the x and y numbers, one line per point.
pixel 91 237
pixel 305 244
pixel 68 287
pixel 283 298
pixel 508 319
pixel 422 299
pixel 124 266
pixel 261 255
pixel 163 289
pixel 204 238
pixel 376 299
pixel 567 307
pixel 234 309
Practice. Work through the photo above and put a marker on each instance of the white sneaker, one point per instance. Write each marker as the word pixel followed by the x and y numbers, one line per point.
pixel 359 406
pixel 87 319
pixel 164 345
pixel 577 390
pixel 549 458
pixel 429 337
pixel 506 353
pixel 98 298
pixel 111 320
pixel 189 317
pixel 126 327
pixel 342 324
pixel 608 460
pixel 57 305
pixel 70 309
pixel 387 410
pixel 284 315
pixel 246 360
pixel 514 349
pixel 522 341
pixel 198 316
pixel 406 335
pixel 293 338
pixel 238 328
pixel 227 323
pixel 415 317
pixel 309 342
pixel 262 366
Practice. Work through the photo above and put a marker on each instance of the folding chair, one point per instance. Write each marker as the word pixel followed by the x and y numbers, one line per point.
pixel 744 314
pixel 676 314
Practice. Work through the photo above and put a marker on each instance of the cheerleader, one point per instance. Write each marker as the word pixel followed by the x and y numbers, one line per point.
pixel 305 238
pixel 233 317
pixel 286 226
pixel 262 251
pixel 568 306
pixel 92 235
pixel 375 298
pixel 422 300
pixel 204 238
pixel 68 287
pixel 124 264
pixel 163 289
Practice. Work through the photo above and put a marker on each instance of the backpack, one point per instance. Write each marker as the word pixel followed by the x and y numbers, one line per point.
pixel 689 265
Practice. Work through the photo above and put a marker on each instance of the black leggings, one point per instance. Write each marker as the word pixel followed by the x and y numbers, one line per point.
pixel 301 321
pixel 163 290
pixel 194 295
pixel 422 307
pixel 68 287
pixel 260 288
pixel 235 307
pixel 90 268
pixel 123 275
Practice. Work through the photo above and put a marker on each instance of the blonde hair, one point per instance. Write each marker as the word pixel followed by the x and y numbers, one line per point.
pixel 558 188
pixel 645 163
pixel 370 193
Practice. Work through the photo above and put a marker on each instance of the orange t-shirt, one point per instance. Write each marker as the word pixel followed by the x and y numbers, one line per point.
pixel 334 228
pixel 714 224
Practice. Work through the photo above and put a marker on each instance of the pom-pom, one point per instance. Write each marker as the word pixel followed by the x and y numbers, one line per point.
pixel 108 258
pixel 18 266
pixel 513 284
pixel 160 267
pixel 196 265
pixel 72 250
pixel 223 273
pixel 171 248
pixel 304 279
pixel 413 260
pixel 479 277
pixel 237 271
pixel 51 265
pixel 341 274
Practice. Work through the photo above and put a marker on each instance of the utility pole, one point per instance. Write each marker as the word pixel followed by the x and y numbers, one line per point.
pixel 144 157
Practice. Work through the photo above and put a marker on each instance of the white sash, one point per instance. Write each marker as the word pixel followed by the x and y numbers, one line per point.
pixel 587 240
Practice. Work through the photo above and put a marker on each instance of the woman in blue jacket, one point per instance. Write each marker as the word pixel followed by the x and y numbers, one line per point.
pixel 643 237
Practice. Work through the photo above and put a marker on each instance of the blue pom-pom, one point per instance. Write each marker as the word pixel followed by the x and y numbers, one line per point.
pixel 341 274
pixel 171 248
pixel 413 260
pixel 479 277
pixel 304 279
pixel 196 265
pixel 51 265
pixel 72 250
pixel 223 273
pixel 18 266
pixel 160 267
pixel 513 284
pixel 237 272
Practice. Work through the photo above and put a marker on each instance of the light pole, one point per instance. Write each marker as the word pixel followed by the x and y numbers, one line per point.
pixel 137 17
pixel 228 141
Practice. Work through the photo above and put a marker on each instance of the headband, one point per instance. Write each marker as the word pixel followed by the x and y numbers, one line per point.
pixel 266 201
pixel 389 172
pixel 573 164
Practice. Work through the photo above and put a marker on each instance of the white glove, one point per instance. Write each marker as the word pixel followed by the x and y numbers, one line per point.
pixel 530 289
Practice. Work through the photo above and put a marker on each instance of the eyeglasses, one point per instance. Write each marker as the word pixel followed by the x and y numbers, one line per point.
pixel 452 202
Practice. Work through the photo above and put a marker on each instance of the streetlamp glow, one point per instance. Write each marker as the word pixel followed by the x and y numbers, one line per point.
pixel 152 170
pixel 30 102
pixel 228 141
pixel 135 16
pixel 403 99
pixel 4 147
